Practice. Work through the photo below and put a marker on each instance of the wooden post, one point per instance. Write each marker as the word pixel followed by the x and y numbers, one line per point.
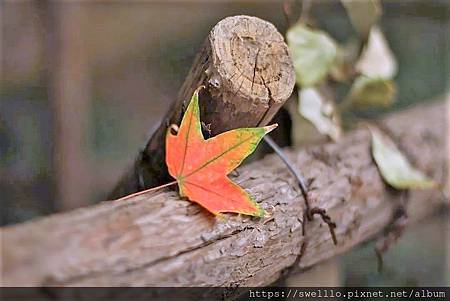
pixel 70 95
pixel 248 74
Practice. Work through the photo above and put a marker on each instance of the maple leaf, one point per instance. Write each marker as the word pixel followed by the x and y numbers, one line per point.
pixel 201 166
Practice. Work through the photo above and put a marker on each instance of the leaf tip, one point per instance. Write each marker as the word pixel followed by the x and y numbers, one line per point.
pixel 197 91
pixel 261 212
pixel 270 128
pixel 258 211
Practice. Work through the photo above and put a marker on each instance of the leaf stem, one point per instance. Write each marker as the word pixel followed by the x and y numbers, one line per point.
pixel 305 12
pixel 146 191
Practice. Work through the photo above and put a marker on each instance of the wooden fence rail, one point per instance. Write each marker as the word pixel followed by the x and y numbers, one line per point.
pixel 158 239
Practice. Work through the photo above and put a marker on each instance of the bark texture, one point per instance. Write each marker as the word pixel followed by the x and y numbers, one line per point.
pixel 158 239
pixel 248 74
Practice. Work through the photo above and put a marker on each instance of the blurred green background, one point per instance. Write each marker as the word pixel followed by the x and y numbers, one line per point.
pixel 84 82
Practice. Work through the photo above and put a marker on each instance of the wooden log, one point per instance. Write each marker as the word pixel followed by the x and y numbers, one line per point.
pixel 248 74
pixel 160 240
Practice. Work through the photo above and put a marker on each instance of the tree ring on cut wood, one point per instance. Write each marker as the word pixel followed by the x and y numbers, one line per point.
pixel 252 61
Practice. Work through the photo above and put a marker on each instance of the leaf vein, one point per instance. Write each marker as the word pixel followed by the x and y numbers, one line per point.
pixel 216 157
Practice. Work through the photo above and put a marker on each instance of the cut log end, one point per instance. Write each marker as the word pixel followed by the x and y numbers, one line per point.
pixel 252 61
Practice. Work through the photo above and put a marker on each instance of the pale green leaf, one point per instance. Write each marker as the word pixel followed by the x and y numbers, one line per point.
pixel 313 53
pixel 321 112
pixel 372 92
pixel 363 14
pixel 377 59
pixel 393 165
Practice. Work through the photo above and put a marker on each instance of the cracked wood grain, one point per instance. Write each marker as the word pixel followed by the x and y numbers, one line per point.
pixel 158 239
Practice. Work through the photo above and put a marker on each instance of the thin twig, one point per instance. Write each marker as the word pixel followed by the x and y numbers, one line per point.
pixel 327 220
pixel 393 232
pixel 309 212
pixel 287 271
pixel 145 191
pixel 298 176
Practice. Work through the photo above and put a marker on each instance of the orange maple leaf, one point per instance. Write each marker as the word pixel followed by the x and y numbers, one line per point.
pixel 201 166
